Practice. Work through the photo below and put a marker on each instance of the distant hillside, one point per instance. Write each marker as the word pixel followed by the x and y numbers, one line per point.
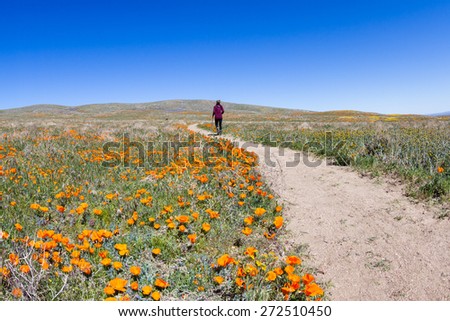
pixel 192 110
pixel 185 109
pixel 169 106
pixel 443 114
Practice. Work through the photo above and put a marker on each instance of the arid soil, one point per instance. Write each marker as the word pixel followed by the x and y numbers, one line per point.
pixel 367 240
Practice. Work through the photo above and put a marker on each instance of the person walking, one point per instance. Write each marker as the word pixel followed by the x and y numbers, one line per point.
pixel 218 111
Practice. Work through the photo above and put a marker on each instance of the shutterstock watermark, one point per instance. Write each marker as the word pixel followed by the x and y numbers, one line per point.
pixel 154 154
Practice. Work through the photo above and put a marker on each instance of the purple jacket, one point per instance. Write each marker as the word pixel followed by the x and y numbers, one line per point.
pixel 218 111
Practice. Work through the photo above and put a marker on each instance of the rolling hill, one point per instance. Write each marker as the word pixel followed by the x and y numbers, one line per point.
pixel 178 105
pixel 158 109
pixel 195 110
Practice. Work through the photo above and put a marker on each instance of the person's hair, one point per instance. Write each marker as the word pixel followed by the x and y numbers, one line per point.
pixel 217 101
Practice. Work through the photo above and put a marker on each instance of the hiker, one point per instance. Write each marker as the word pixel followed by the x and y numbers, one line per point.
pixel 217 115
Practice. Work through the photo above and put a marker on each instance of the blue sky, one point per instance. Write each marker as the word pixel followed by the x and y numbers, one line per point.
pixel 384 56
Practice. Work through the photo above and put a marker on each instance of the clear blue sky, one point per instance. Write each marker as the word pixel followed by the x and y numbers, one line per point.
pixel 385 56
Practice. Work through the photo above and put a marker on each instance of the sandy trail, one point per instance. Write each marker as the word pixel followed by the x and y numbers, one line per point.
pixel 365 237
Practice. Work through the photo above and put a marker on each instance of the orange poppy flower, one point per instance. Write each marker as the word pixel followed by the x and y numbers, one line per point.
pixel 34 206
pixel 294 278
pixel 117 265
pixel 248 220
pixel 134 286
pixel 146 201
pixel 85 266
pixel 17 293
pixel 122 248
pixel 271 276
pixel 160 283
pixel 239 282
pixel 167 209
pixel 156 251
pixel 45 265
pixel 312 289
pixel 75 254
pixel 218 279
pixel 183 219
pixel 24 268
pixel 146 290
pixel 80 210
pixel 251 270
pixel 269 236
pixel 14 259
pixel 307 278
pixel 67 269
pixel 289 269
pixel 212 214
pixel 202 178
pixel 259 211
pixel 135 270
pixel 288 289
pixel 278 222
pixel 18 227
pixel 60 195
pixel 118 284
pixel 247 231
pixel 250 251
pixel 206 227
pixel 278 271
pixel 224 260
pixel 156 296
pixel 192 237
pixel 240 272
pixel 293 260
pixel 103 254
pixel 109 290
pixel 106 261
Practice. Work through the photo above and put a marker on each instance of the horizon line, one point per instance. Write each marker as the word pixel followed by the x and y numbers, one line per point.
pixel 442 113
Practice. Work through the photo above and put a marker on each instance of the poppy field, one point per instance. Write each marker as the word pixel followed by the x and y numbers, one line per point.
pixel 142 220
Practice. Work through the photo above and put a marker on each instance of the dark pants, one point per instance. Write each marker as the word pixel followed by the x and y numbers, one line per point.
pixel 218 123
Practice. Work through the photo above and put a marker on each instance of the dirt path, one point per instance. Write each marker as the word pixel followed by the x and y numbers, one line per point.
pixel 365 237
